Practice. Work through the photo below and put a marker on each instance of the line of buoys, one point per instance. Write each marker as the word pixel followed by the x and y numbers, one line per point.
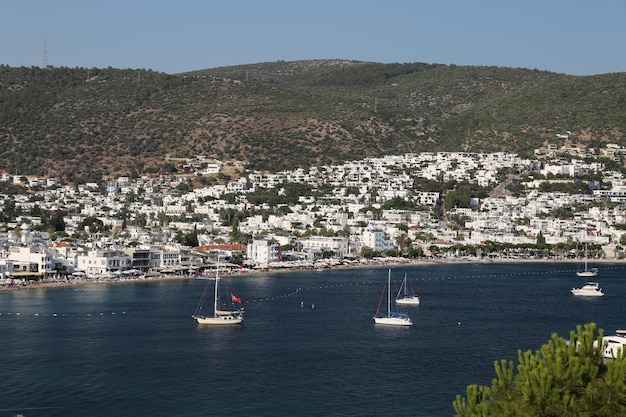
pixel 6 314
pixel 86 314
pixel 290 294
pixel 31 408
pixel 452 277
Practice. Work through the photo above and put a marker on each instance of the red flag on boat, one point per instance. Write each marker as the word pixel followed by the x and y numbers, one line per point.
pixel 235 298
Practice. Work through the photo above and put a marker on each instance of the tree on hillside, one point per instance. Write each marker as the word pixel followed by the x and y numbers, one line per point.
pixel 541 239
pixel 561 379
pixel 403 242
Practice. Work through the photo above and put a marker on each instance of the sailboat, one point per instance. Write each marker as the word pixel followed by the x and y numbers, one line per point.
pixel 392 318
pixel 587 272
pixel 219 317
pixel 405 296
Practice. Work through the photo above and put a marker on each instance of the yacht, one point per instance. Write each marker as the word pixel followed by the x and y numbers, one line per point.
pixel 614 344
pixel 590 289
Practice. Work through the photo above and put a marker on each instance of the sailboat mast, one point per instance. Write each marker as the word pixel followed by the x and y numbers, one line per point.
pixel 389 294
pixel 404 283
pixel 217 270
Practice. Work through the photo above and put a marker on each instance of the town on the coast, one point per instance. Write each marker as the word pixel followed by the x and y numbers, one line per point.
pixel 564 203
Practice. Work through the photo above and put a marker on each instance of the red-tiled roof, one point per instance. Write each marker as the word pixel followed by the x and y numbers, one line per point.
pixel 226 246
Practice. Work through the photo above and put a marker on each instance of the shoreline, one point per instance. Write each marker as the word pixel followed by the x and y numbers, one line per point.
pixel 251 273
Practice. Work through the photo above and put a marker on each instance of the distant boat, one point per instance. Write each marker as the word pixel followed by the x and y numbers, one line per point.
pixel 391 318
pixel 219 317
pixel 405 296
pixel 590 289
pixel 587 271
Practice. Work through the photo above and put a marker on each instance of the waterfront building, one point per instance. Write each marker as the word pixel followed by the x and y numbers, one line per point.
pixel 318 245
pixel 104 262
pixel 6 268
pixel 32 261
pixel 140 258
pixel 377 240
pixel 263 251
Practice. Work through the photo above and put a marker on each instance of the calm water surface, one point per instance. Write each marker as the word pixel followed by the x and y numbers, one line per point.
pixel 133 349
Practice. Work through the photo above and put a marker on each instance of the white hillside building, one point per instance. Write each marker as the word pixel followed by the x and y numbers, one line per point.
pixel 103 262
pixel 263 251
pixel 31 261
pixel 318 244
pixel 377 240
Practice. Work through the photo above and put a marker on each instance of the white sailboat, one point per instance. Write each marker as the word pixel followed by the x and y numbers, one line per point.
pixel 587 271
pixel 219 317
pixel 392 318
pixel 405 296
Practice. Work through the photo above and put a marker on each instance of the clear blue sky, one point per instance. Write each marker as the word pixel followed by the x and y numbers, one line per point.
pixel 577 37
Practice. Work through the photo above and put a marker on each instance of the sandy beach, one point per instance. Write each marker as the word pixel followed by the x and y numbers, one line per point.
pixel 387 263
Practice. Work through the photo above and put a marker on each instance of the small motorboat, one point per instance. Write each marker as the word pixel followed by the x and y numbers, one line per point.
pixel 590 289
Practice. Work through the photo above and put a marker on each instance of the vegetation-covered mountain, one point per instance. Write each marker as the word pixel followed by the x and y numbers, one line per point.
pixel 85 124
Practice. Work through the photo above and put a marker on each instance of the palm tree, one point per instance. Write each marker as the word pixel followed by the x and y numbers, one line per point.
pixel 18 232
pixel 403 241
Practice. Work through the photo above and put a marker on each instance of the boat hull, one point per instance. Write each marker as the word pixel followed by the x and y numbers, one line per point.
pixel 615 346
pixel 587 293
pixel 408 300
pixel 591 289
pixel 219 320
pixel 393 321
pixel 587 273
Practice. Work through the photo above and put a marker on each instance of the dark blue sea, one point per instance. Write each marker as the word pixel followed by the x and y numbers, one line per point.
pixel 134 350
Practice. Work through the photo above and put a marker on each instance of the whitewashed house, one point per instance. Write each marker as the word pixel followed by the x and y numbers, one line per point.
pixel 32 260
pixel 377 240
pixel 263 251
pixel 103 262
pixel 318 244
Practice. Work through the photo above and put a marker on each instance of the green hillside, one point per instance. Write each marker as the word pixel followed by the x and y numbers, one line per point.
pixel 79 124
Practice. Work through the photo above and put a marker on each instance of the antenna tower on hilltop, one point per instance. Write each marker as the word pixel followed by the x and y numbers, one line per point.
pixel 45 53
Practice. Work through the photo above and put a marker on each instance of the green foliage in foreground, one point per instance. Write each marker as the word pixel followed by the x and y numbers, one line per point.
pixel 561 379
